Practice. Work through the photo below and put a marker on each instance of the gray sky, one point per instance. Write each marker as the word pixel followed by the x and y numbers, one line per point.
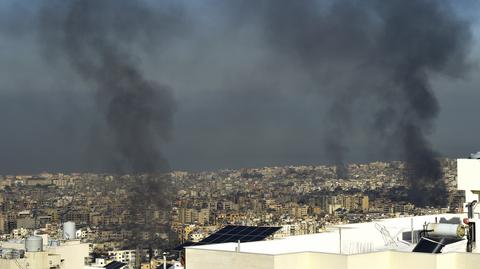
pixel 239 103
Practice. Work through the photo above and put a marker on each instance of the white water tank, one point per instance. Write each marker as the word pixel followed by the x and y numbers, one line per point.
pixel 446 230
pixel 34 244
pixel 69 230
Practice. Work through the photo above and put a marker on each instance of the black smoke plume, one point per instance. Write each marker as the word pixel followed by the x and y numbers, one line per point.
pixel 373 57
pixel 370 61
pixel 99 39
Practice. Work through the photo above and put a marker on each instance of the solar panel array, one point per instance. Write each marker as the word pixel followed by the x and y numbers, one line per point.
pixel 233 233
pixel 427 245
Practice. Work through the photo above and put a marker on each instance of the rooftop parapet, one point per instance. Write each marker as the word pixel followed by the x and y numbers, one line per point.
pixel 468 174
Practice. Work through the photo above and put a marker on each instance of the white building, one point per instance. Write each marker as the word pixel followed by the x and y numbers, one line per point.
pixel 64 254
pixel 385 244
pixel 125 256
pixel 74 253
pixel 31 260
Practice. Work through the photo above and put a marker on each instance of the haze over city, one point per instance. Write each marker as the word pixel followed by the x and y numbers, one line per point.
pixel 244 92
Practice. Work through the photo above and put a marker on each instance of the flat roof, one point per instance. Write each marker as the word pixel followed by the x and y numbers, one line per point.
pixel 355 238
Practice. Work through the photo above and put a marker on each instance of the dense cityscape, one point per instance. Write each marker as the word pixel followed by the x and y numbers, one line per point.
pixel 270 134
pixel 300 199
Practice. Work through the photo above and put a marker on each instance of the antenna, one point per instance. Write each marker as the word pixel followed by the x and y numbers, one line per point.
pixel 387 237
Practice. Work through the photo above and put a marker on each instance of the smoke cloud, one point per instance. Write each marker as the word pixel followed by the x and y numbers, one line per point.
pixel 374 58
pixel 275 78
pixel 100 40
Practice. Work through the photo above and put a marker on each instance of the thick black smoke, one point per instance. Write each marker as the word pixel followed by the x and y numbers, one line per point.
pixel 373 57
pixel 99 39
pixel 370 60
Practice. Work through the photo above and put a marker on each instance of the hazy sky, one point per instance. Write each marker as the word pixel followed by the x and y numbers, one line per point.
pixel 238 103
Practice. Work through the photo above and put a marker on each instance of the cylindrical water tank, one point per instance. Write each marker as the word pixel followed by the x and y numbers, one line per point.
pixel 69 230
pixel 446 230
pixel 34 244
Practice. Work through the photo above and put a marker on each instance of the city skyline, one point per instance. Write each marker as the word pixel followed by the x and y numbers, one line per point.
pixel 246 134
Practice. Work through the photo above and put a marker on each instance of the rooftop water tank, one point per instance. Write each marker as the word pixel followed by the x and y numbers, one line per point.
pixel 69 230
pixel 34 244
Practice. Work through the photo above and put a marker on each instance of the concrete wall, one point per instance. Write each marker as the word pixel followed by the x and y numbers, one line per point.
pixel 211 259
pixel 376 260
pixel 464 260
pixel 214 259
pixel 72 253
pixel 32 260
pixel 326 260
pixel 402 260
pixel 295 260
